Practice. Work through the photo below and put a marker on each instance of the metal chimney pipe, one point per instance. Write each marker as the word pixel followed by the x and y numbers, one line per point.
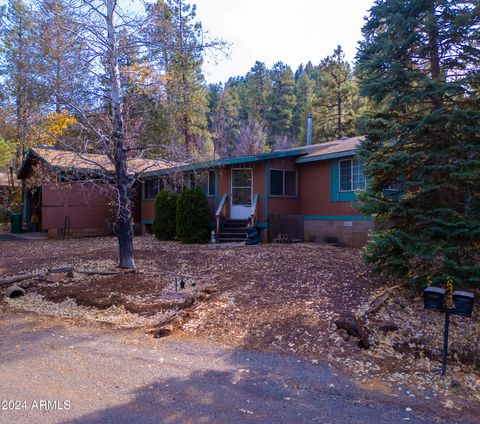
pixel 309 129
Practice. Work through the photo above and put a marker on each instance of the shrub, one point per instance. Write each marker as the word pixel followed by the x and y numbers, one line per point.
pixel 192 216
pixel 165 208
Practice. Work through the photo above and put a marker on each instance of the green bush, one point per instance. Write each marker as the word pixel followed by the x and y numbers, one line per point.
pixel 192 216
pixel 165 208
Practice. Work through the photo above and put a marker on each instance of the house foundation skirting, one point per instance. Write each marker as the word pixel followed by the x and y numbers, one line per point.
pixel 350 232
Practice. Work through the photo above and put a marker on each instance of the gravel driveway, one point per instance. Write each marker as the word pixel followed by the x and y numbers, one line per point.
pixel 94 374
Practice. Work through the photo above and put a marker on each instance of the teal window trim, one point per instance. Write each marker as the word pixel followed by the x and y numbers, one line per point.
pixel 336 195
pixel 267 189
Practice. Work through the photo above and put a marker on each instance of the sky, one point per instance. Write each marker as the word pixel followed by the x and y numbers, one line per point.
pixel 291 31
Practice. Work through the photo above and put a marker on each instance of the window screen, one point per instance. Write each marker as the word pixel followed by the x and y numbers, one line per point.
pixel 211 183
pixel 352 176
pixel 290 183
pixel 283 183
pixel 346 175
pixel 151 189
pixel 276 182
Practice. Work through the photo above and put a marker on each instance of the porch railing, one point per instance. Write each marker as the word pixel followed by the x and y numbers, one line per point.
pixel 219 214
pixel 252 220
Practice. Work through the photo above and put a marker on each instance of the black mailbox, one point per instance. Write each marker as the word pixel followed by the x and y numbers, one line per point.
pixel 434 299
pixel 463 303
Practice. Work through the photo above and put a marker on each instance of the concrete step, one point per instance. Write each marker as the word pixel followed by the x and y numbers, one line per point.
pixel 228 234
pixel 230 240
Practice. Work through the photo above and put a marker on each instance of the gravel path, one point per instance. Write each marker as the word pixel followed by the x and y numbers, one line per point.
pixel 100 375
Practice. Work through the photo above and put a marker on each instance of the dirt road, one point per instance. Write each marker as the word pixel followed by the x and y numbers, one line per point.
pixel 95 374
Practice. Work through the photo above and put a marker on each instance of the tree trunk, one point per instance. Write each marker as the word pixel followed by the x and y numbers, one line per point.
pixel 123 225
pixel 339 115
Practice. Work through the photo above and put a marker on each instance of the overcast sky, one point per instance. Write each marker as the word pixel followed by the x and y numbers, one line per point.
pixel 293 31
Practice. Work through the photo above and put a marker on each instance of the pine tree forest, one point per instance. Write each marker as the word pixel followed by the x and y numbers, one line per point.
pixel 49 84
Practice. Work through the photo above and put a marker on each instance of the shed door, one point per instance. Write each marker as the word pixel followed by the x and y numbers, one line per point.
pixel 241 196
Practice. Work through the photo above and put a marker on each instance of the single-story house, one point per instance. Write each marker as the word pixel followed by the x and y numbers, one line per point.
pixel 307 192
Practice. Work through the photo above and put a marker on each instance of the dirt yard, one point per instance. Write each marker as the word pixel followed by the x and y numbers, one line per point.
pixel 284 299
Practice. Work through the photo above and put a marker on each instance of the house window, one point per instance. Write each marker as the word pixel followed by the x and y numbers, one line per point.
pixel 396 186
pixel 151 188
pixel 206 182
pixel 352 176
pixel 283 183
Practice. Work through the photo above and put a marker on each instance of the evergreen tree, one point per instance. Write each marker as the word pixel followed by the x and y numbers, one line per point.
pixel 225 121
pixel 21 91
pixel 304 92
pixel 63 70
pixel 419 65
pixel 282 103
pixel 177 42
pixel 335 103
pixel 258 89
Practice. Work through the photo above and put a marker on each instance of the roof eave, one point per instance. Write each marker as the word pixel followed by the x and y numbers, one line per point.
pixel 226 162
pixel 326 157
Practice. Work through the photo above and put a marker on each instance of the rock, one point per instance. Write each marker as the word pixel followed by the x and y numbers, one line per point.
pixel 349 323
pixel 454 384
pixel 343 334
pixel 55 277
pixel 387 326
pixel 14 291
pixel 209 290
pixel 164 331
pixel 364 341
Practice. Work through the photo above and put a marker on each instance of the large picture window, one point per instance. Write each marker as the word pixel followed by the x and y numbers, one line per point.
pixel 283 183
pixel 352 176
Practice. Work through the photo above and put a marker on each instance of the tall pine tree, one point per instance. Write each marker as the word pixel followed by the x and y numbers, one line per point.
pixel 419 65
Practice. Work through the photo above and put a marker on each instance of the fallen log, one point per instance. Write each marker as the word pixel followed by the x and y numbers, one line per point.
pixel 98 272
pixel 61 270
pixel 378 302
pixel 22 277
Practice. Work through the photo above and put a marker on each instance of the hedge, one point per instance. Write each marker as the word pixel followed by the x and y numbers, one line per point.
pixel 165 208
pixel 192 216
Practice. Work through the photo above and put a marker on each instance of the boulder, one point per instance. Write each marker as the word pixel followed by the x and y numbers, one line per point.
pixel 349 323
pixel 164 331
pixel 343 334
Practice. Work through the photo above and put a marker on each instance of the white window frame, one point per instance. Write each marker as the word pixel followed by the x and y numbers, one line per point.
pixel 231 185
pixel 283 173
pixel 351 176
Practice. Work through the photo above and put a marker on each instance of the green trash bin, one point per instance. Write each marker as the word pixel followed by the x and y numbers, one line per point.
pixel 16 223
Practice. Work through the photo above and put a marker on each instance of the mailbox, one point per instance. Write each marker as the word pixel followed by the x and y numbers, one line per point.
pixel 463 303
pixel 434 299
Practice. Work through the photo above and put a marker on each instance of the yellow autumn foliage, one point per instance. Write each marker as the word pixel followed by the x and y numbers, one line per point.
pixel 50 128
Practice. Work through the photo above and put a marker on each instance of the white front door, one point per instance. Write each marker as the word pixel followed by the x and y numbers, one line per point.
pixel 241 195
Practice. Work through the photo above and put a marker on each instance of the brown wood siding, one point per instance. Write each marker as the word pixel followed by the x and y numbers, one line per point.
pixel 86 204
pixel 315 192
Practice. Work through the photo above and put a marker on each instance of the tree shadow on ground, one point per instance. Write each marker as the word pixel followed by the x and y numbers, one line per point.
pixel 242 386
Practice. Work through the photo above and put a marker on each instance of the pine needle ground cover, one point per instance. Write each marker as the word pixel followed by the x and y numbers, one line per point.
pixel 276 298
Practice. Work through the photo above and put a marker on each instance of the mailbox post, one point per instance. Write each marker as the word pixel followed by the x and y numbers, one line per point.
pixel 434 300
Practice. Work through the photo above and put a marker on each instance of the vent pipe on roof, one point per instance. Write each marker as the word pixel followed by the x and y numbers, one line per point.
pixel 309 129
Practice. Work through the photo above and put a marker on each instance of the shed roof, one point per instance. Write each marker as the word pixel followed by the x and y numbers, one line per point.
pixel 69 160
